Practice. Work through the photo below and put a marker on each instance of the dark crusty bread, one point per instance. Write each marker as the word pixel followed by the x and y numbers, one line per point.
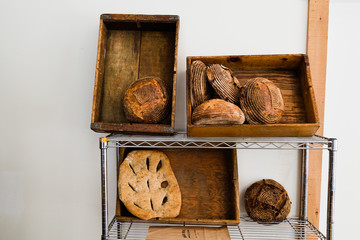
pixel 146 101
pixel 267 201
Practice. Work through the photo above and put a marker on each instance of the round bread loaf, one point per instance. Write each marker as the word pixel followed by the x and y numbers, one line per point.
pixel 146 101
pixel 267 201
pixel 224 83
pixel 217 111
pixel 148 186
pixel 261 101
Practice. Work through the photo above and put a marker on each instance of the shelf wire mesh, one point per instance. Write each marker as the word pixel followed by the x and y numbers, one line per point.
pixel 180 140
pixel 291 228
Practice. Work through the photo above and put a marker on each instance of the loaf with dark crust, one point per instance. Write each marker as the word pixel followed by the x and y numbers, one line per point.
pixel 146 101
pixel 267 201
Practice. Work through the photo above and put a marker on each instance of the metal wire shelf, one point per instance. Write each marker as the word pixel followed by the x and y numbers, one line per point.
pixel 291 228
pixel 180 140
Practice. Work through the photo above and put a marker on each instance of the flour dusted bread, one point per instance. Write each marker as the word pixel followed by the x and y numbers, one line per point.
pixel 200 89
pixel 217 111
pixel 262 102
pixel 146 101
pixel 267 201
pixel 147 185
pixel 224 83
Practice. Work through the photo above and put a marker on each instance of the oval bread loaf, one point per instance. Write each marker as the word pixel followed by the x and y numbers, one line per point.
pixel 261 101
pixel 217 111
pixel 148 186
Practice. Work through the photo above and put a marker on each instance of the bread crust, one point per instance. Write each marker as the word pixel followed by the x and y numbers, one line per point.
pixel 148 186
pixel 262 102
pixel 146 101
pixel 225 84
pixel 267 201
pixel 217 111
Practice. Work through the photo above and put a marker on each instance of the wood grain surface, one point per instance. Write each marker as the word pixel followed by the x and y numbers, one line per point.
pixel 208 182
pixel 317 37
pixel 121 69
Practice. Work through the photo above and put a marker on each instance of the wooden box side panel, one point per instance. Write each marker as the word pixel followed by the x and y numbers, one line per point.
pixel 247 130
pixel 173 104
pixel 189 109
pixel 140 17
pixel 280 61
pixel 308 92
pixel 209 186
pixel 99 73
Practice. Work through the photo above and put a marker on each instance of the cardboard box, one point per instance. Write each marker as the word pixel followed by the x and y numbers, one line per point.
pixel 185 232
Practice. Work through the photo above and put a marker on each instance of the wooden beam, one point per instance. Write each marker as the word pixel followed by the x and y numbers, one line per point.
pixel 317 36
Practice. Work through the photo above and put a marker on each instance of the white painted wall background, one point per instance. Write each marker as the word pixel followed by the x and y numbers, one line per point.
pixel 49 157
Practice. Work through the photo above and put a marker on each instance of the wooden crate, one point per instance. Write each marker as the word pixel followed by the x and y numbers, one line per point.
pixel 208 180
pixel 132 47
pixel 291 73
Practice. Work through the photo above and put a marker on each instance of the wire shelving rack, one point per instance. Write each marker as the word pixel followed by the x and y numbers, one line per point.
pixel 291 228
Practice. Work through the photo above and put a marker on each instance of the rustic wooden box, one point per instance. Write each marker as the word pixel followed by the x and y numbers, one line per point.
pixel 291 73
pixel 132 47
pixel 208 180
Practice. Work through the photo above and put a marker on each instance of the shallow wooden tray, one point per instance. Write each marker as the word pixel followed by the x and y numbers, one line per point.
pixel 290 72
pixel 132 47
pixel 208 180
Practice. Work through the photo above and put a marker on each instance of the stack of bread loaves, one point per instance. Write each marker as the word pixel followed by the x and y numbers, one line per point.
pixel 217 97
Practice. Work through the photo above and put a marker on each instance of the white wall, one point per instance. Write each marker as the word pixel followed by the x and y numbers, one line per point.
pixel 341 111
pixel 49 157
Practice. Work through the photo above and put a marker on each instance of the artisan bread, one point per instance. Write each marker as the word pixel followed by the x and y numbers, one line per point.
pixel 224 83
pixel 146 101
pixel 200 88
pixel 217 111
pixel 147 185
pixel 262 102
pixel 267 201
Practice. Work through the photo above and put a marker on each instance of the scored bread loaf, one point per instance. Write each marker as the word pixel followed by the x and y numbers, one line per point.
pixel 224 83
pixel 217 111
pixel 200 89
pixel 267 201
pixel 146 101
pixel 262 102
pixel 148 186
